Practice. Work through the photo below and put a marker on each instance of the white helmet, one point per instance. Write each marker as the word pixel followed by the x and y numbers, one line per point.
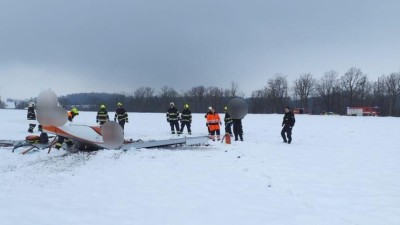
pixel 172 104
pixel 31 104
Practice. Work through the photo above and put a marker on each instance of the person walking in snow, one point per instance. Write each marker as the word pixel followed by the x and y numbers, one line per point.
pixel 121 116
pixel 102 115
pixel 287 123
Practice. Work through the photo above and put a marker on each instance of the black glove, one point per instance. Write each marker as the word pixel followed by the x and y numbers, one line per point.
pixel 206 124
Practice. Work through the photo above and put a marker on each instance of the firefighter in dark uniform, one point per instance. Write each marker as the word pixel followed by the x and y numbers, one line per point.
pixel 121 116
pixel 60 139
pixel 228 122
pixel 287 123
pixel 31 116
pixel 186 119
pixel 173 118
pixel 102 115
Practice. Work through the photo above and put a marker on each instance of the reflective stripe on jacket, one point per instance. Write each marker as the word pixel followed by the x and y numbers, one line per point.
pixel 172 114
pixel 213 121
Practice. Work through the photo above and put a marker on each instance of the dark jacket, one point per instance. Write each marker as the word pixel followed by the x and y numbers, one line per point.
pixel 31 113
pixel 228 118
pixel 186 116
pixel 102 116
pixel 288 119
pixel 121 114
pixel 172 114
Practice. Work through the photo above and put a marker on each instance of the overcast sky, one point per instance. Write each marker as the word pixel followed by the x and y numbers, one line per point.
pixel 117 46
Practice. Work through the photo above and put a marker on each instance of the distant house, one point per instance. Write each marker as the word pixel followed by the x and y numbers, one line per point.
pixel 10 105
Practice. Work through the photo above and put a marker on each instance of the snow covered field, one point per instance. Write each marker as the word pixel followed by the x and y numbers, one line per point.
pixel 338 170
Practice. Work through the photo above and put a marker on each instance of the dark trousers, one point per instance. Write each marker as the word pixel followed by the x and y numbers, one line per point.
pixel 286 131
pixel 122 124
pixel 32 126
pixel 174 124
pixel 228 128
pixel 238 129
pixel 187 124
pixel 215 133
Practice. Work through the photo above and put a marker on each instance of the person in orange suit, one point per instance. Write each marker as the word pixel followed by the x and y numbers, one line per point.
pixel 213 123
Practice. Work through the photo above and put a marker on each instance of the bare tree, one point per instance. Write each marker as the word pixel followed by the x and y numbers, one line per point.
pixel 143 99
pixel 363 90
pixel 328 89
pixel 215 97
pixel 197 92
pixel 277 92
pixel 144 93
pixel 233 91
pixel 258 101
pixel 392 83
pixel 167 92
pixel 379 92
pixel 197 97
pixel 351 82
pixel 303 88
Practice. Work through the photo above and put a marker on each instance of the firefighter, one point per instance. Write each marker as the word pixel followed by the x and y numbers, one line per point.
pixel 205 116
pixel 60 139
pixel 213 122
pixel 102 115
pixel 186 119
pixel 31 116
pixel 173 118
pixel 287 123
pixel 237 129
pixel 228 122
pixel 121 115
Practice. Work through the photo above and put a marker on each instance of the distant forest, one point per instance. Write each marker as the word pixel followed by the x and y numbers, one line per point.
pixel 330 93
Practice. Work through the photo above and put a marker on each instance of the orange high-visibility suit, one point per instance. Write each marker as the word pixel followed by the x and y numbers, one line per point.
pixel 213 121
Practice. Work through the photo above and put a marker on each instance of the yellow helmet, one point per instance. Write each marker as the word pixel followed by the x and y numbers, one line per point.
pixel 102 107
pixel 186 106
pixel 226 108
pixel 119 104
pixel 75 111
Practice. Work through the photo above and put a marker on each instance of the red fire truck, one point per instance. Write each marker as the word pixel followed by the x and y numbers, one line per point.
pixel 363 111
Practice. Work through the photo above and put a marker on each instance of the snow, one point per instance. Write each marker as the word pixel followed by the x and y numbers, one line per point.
pixel 338 170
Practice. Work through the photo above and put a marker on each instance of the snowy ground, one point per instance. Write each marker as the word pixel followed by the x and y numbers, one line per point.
pixel 338 170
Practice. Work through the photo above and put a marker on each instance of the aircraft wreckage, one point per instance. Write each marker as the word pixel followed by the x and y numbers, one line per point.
pixel 53 119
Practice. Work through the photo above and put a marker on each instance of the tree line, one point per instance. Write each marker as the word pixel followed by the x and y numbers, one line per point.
pixel 330 93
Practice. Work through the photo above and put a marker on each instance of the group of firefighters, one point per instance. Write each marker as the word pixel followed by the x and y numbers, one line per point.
pixel 213 121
